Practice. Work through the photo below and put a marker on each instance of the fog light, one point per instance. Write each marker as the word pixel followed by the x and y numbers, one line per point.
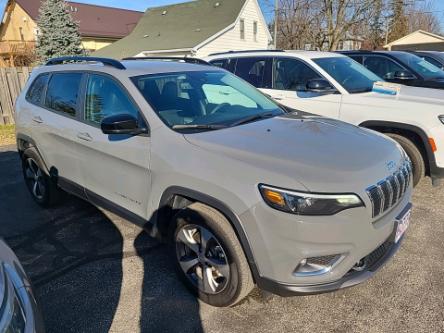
pixel 317 265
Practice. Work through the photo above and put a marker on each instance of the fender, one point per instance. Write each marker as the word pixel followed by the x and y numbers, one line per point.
pixel 424 137
pixel 166 208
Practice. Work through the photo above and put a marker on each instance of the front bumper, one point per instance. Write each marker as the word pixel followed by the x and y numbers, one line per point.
pixel 281 241
pixel 351 279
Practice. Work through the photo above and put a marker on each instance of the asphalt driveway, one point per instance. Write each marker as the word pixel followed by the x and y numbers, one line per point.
pixel 94 272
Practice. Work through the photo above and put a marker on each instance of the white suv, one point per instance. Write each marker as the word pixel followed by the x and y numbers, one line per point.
pixel 246 192
pixel 333 85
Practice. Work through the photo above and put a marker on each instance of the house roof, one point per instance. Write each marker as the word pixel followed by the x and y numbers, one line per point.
pixel 176 27
pixel 427 36
pixel 94 21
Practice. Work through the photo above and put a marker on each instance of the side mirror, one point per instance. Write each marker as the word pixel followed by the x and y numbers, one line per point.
pixel 404 75
pixel 122 124
pixel 320 86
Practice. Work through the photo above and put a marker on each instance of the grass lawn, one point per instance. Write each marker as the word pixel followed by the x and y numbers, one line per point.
pixel 7 135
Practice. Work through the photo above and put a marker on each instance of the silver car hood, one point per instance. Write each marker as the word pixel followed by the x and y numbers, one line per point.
pixel 324 155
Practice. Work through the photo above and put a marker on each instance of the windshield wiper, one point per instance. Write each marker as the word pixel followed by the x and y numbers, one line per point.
pixel 199 126
pixel 253 118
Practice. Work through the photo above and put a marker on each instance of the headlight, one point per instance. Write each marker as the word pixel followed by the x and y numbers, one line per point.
pixel 441 118
pixel 306 203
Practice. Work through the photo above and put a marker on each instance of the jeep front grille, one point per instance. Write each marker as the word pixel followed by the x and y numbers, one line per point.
pixel 388 192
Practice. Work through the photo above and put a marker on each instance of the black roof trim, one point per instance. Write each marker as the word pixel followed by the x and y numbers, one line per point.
pixel 105 61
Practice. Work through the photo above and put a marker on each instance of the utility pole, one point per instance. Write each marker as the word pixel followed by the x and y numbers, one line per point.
pixel 276 22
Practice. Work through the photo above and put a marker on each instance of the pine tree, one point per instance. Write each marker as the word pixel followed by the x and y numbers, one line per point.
pixel 58 32
pixel 399 20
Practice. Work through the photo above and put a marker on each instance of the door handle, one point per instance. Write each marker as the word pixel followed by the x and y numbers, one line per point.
pixel 84 136
pixel 37 119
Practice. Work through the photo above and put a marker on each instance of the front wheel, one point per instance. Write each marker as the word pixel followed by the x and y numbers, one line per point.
pixel 414 154
pixel 208 256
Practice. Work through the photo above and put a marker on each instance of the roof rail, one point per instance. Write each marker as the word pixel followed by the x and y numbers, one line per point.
pixel 246 51
pixel 105 61
pixel 184 59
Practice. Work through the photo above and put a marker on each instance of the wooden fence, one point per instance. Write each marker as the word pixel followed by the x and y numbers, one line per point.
pixel 12 81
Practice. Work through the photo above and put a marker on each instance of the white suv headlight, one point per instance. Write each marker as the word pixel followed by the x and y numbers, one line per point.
pixel 441 118
pixel 307 203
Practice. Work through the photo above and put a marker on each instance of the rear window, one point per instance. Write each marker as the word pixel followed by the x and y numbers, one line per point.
pixel 35 92
pixel 62 92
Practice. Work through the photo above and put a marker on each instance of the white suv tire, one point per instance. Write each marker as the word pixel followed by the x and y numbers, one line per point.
pixel 414 154
pixel 43 189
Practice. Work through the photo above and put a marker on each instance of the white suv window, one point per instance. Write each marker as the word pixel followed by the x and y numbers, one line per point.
pixel 105 97
pixel 35 93
pixel 292 74
pixel 62 93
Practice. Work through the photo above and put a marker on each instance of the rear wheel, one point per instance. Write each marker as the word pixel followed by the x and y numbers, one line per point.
pixel 42 188
pixel 414 154
pixel 209 258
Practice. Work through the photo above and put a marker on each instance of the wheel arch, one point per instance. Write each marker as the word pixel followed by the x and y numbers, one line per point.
pixel 175 198
pixel 414 133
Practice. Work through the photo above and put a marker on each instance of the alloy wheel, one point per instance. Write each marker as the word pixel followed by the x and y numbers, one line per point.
pixel 35 179
pixel 202 259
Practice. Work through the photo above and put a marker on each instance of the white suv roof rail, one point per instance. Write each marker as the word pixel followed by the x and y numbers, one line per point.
pixel 73 59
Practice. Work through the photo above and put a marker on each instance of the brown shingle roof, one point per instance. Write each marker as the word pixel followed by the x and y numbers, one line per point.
pixel 94 21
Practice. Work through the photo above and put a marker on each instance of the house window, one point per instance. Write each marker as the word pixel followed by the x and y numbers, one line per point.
pixel 255 30
pixel 242 29
pixel 22 37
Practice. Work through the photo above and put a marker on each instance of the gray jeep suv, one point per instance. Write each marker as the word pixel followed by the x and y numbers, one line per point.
pixel 245 191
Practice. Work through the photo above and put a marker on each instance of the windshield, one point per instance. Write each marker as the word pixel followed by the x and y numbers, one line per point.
pixel 421 66
pixel 195 100
pixel 354 77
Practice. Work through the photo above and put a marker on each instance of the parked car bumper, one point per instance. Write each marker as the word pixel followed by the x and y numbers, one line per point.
pixel 282 241
pixel 19 310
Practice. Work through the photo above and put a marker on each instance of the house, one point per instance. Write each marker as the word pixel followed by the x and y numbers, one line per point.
pixel 348 43
pixel 419 40
pixel 196 28
pixel 98 26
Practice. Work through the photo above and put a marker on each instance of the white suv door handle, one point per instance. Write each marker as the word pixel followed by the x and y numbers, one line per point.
pixel 37 119
pixel 84 136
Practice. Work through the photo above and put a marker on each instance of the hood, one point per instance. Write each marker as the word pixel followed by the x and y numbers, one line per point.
pixel 412 95
pixel 324 155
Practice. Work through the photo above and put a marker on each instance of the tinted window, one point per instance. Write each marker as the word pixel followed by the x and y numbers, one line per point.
pixel 292 74
pixel 35 93
pixel 357 58
pixel 420 66
pixel 222 63
pixel 216 98
pixel 354 77
pixel 432 61
pixel 382 66
pixel 228 64
pixel 255 71
pixel 62 92
pixel 104 97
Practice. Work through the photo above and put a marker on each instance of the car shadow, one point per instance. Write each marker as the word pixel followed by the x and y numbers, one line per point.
pixel 74 255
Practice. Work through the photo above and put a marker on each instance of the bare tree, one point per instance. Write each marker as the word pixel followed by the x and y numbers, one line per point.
pixel 422 16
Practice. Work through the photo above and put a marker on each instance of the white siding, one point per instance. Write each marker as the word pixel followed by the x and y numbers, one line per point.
pixel 231 41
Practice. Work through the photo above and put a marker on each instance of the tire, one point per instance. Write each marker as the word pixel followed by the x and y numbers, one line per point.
pixel 414 154
pixel 43 189
pixel 230 280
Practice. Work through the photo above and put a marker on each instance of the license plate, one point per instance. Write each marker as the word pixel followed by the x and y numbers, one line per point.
pixel 403 224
